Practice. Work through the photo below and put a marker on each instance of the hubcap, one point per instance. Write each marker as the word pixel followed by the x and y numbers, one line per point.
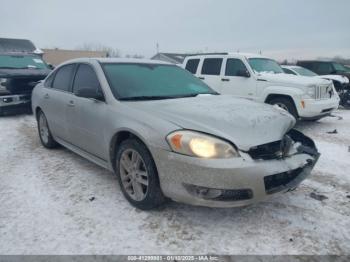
pixel 43 128
pixel 133 174
pixel 283 106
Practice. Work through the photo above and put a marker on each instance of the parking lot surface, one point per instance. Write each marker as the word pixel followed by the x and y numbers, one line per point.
pixel 55 202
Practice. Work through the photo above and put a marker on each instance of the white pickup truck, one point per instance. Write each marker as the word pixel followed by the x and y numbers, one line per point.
pixel 262 79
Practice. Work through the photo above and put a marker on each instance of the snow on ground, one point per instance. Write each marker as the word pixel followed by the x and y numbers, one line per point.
pixel 45 206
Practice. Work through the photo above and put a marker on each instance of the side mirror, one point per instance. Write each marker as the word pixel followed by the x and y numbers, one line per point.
pixel 90 93
pixel 243 73
pixel 50 66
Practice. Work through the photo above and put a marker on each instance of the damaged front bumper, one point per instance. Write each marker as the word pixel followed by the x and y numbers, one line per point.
pixel 236 181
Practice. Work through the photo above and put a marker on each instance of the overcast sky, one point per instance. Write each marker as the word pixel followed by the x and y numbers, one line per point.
pixel 279 28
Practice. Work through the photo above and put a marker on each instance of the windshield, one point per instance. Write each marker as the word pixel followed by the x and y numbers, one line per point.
pixel 21 62
pixel 130 81
pixel 265 65
pixel 303 71
pixel 340 67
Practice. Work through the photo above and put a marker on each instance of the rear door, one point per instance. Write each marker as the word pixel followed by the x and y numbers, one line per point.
pixel 234 83
pixel 210 72
pixel 56 95
pixel 86 116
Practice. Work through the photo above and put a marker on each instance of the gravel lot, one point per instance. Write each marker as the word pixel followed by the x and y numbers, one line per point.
pixel 55 202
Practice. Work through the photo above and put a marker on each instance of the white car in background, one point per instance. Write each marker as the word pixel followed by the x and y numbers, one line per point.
pixel 262 79
pixel 301 71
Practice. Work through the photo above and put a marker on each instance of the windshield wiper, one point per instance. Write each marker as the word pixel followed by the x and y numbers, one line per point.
pixel 141 98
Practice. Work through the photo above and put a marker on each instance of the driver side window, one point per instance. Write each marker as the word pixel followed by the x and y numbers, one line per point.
pixel 234 66
pixel 86 78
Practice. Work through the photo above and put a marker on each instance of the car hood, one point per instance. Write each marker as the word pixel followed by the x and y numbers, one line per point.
pixel 340 78
pixel 25 73
pixel 288 79
pixel 243 122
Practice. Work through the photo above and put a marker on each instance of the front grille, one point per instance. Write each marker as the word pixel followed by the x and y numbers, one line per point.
pixel 273 150
pixel 277 182
pixel 324 92
pixel 266 151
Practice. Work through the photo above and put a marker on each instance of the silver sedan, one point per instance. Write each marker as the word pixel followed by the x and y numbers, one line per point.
pixel 167 135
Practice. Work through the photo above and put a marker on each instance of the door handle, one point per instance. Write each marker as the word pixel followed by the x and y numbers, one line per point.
pixel 225 79
pixel 71 103
pixel 46 96
pixel 201 77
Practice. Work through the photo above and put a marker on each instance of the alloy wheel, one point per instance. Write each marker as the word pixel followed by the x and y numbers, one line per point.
pixel 133 174
pixel 43 128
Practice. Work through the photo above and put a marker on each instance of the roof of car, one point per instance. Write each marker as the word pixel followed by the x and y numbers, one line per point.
pixel 230 54
pixel 116 60
pixel 290 66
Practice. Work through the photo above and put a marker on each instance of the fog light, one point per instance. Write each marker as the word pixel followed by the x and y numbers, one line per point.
pixel 219 194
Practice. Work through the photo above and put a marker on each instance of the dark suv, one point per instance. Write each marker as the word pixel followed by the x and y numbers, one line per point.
pixel 20 70
pixel 331 68
pixel 325 67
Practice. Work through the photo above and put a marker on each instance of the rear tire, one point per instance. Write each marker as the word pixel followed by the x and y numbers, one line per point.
pixel 137 175
pixel 44 132
pixel 285 103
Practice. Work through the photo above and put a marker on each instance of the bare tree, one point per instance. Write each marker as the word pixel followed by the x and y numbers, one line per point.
pixel 111 52
pixel 135 56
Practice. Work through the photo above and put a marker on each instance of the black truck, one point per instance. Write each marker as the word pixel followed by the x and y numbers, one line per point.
pixel 21 68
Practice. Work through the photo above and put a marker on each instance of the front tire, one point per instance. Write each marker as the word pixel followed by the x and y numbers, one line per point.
pixel 137 175
pixel 44 132
pixel 285 103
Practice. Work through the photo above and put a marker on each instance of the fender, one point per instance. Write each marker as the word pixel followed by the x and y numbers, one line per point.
pixel 294 93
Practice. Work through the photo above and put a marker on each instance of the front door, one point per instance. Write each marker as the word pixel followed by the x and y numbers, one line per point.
pixel 237 79
pixel 86 119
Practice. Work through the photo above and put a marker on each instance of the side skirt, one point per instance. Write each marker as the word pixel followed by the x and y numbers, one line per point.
pixel 84 154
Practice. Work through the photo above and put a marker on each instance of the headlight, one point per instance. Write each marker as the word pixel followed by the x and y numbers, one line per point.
pixel 311 91
pixel 3 83
pixel 200 145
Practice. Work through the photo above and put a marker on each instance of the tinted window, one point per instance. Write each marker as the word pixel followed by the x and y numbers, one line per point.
pixel 152 81
pixel 233 66
pixel 192 65
pixel 287 71
pixel 212 66
pixel 85 78
pixel 48 81
pixel 63 77
pixel 324 68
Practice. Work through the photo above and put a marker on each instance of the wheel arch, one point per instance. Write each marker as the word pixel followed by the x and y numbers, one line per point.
pixel 36 112
pixel 118 138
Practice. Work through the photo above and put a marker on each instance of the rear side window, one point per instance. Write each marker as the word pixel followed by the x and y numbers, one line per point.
pixel 212 66
pixel 63 77
pixel 192 65
pixel 85 78
pixel 233 66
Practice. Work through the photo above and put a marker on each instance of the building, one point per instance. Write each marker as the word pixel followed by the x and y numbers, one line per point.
pixel 58 56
